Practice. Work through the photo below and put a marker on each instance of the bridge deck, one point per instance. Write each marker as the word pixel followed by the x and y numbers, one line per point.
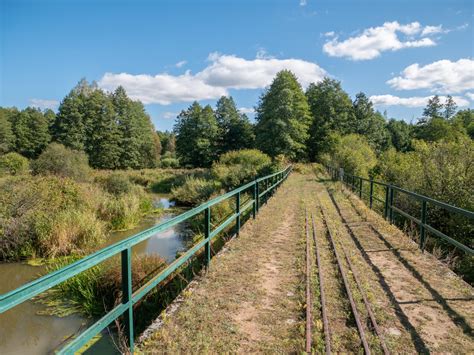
pixel 253 297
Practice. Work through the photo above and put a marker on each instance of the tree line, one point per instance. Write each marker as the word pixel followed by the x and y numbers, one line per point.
pixel 114 131
pixel 302 125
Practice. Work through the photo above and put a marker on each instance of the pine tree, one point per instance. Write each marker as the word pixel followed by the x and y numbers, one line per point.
pixel 7 138
pixel 283 118
pixel 432 110
pixel 236 131
pixel 197 136
pixel 331 111
pixel 450 107
pixel 31 131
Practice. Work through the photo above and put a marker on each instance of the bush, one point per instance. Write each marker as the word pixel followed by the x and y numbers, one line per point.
pixel 125 211
pixel 58 160
pixel 353 154
pixel 46 217
pixel 238 167
pixel 169 163
pixel 13 164
pixel 194 191
pixel 116 184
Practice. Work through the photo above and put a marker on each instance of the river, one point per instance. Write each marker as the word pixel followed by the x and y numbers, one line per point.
pixel 24 331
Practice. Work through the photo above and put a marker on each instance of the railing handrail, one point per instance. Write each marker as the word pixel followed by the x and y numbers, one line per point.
pixel 28 291
pixel 420 197
pixel 390 207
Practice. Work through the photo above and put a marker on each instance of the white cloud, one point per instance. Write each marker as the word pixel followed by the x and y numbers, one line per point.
pixel 441 76
pixel 247 110
pixel 429 30
pixel 416 101
pixel 223 72
pixel 470 95
pixel 303 2
pixel 375 40
pixel 167 115
pixel 329 34
pixel 44 104
pixel 180 64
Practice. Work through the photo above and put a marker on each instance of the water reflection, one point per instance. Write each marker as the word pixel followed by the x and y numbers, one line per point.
pixel 24 331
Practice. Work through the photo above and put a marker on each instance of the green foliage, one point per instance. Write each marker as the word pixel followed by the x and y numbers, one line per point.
pixel 369 123
pixel 168 162
pixel 194 191
pixel 46 217
pixel 196 136
pixel 400 134
pixel 168 143
pixel 126 210
pixel 283 118
pixel 31 130
pixel 331 111
pixel 7 138
pixel 116 184
pixel 236 132
pixel 353 153
pixel 465 118
pixel 98 289
pixel 58 160
pixel 113 130
pixel 13 164
pixel 236 168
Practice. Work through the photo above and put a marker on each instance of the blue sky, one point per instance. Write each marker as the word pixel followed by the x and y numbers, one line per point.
pixel 168 53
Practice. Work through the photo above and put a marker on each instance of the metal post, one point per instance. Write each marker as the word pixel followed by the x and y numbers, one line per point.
pixel 207 233
pixel 391 204
pixel 127 295
pixel 257 196
pixel 387 192
pixel 371 192
pixel 422 226
pixel 254 210
pixel 360 187
pixel 237 210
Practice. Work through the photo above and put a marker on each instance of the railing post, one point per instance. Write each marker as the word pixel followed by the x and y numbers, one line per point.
pixel 127 295
pixel 387 192
pixel 391 204
pixel 360 187
pixel 254 210
pixel 207 233
pixel 371 192
pixel 257 196
pixel 422 226
pixel 237 210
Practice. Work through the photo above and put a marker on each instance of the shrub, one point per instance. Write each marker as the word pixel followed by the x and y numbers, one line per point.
pixel 353 154
pixel 238 167
pixel 13 164
pixel 194 191
pixel 46 217
pixel 58 160
pixel 169 163
pixel 116 184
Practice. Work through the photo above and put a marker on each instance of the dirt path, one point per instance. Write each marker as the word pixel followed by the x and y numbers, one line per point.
pixel 251 300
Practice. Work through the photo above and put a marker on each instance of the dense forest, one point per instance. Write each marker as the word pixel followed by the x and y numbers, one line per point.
pixel 95 129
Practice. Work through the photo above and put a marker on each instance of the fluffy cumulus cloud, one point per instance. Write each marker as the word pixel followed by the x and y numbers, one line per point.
pixel 181 63
pixel 223 72
pixel 441 76
pixel 470 95
pixel 44 104
pixel 416 101
pixel 391 36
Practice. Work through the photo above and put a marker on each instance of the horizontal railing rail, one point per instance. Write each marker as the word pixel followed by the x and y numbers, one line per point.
pixel 356 184
pixel 124 247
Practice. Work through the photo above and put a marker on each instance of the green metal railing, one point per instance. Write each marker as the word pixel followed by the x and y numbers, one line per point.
pixel 356 184
pixel 261 189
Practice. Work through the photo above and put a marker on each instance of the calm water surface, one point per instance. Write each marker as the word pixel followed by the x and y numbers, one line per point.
pixel 24 331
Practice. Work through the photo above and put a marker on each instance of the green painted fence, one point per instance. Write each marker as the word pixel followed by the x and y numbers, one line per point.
pixel 356 184
pixel 260 189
